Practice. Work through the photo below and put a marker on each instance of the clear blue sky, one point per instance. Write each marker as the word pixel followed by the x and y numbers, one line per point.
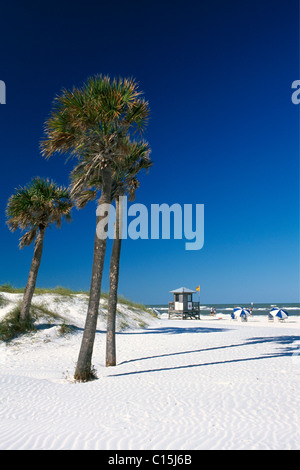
pixel 223 132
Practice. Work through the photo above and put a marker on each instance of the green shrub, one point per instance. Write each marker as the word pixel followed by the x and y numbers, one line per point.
pixel 65 329
pixel 9 289
pixel 11 326
pixel 3 301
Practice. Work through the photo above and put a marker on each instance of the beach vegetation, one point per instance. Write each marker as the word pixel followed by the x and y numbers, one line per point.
pixel 65 329
pixel 132 304
pixel 13 326
pixel 3 301
pixel 61 292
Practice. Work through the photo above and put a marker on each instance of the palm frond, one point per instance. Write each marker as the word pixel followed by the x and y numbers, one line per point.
pixel 28 238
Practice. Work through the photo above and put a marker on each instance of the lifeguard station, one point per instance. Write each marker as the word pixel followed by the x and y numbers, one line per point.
pixel 183 305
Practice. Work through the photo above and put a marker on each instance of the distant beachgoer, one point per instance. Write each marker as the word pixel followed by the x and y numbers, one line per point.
pixel 214 310
pixel 211 311
pixel 250 309
pixel 243 316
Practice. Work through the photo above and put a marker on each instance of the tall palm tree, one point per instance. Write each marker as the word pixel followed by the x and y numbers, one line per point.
pixel 33 208
pixel 124 182
pixel 92 124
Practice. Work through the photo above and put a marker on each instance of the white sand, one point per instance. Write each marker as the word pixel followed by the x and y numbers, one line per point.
pixel 208 384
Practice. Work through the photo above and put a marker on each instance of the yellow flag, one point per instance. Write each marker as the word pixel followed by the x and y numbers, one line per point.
pixel 198 288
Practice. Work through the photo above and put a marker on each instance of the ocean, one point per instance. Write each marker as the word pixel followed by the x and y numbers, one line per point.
pixel 257 309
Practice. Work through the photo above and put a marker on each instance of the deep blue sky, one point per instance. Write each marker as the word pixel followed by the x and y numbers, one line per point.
pixel 223 132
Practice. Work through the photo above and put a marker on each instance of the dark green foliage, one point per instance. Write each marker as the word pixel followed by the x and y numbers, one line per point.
pixel 12 326
pixel 36 206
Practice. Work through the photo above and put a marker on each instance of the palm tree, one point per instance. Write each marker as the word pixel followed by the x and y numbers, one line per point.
pixel 124 182
pixel 33 208
pixel 92 123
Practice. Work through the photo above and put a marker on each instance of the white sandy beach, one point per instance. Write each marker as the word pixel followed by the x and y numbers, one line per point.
pixel 208 384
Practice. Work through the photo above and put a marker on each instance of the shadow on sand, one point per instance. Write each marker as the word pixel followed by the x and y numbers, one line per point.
pixel 287 346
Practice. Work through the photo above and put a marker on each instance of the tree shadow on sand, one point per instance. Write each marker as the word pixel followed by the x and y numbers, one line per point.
pixel 174 330
pixel 287 346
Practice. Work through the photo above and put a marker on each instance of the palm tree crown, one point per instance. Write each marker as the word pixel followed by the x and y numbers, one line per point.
pixel 95 119
pixel 38 205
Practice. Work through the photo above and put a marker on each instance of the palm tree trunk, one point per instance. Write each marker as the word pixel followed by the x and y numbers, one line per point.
pixel 33 273
pixel 113 289
pixel 83 371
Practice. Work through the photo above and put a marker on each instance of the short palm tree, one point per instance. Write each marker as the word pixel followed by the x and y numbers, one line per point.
pixel 32 209
pixel 94 124
pixel 124 182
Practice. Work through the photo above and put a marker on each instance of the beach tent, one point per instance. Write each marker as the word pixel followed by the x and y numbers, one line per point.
pixel 279 313
pixel 242 312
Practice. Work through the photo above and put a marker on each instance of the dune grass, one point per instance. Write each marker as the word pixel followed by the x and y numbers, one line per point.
pixel 8 288
pixel 65 291
pixel 3 301
pixel 12 327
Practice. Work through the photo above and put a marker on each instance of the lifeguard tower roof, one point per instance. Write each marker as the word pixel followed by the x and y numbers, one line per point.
pixel 183 290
